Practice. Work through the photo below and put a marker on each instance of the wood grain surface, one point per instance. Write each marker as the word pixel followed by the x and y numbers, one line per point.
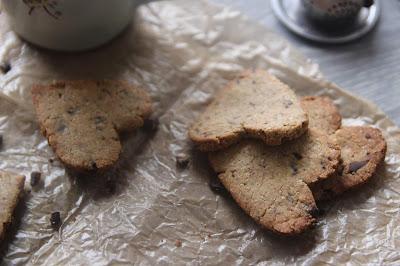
pixel 369 67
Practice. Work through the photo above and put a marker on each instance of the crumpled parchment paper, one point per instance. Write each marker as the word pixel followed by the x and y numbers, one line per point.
pixel 181 51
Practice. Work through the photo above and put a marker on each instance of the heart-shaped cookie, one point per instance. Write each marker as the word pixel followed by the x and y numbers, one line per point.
pixel 81 119
pixel 255 105
pixel 272 183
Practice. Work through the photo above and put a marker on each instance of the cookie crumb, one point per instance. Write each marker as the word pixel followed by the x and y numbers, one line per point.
pixel 35 178
pixel 55 220
pixel 5 67
pixel 178 243
pixel 182 161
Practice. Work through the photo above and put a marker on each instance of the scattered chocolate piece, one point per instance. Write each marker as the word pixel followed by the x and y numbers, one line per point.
pixel 55 220
pixel 182 161
pixel 178 243
pixel 51 160
pixel 151 125
pixel 35 178
pixel 355 166
pixel 5 67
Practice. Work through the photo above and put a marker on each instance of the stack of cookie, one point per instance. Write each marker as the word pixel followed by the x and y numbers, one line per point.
pixel 277 155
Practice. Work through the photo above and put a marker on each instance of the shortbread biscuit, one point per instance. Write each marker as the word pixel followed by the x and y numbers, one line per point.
pixel 255 105
pixel 272 183
pixel 82 119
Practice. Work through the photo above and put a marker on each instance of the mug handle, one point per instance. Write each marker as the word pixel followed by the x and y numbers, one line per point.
pixel 368 3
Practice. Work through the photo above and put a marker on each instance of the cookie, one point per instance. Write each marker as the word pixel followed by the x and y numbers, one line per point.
pixel 322 113
pixel 82 119
pixel 362 150
pixel 11 188
pixel 272 183
pixel 255 105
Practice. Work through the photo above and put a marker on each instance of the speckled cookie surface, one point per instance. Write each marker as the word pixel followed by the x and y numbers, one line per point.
pixel 255 105
pixel 362 150
pixel 272 183
pixel 11 187
pixel 322 113
pixel 82 119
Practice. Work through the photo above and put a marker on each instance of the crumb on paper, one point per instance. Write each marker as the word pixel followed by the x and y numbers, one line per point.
pixel 178 243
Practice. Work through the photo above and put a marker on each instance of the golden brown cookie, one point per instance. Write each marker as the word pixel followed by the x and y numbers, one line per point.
pixel 272 183
pixel 255 105
pixel 11 188
pixel 82 119
pixel 362 150
pixel 322 113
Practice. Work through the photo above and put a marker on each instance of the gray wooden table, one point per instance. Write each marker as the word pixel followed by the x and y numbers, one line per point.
pixel 369 67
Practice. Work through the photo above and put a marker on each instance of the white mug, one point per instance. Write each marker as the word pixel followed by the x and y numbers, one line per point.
pixel 69 25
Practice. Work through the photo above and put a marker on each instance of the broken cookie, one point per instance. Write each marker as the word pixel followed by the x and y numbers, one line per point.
pixel 11 188
pixel 362 150
pixel 272 183
pixel 82 119
pixel 255 105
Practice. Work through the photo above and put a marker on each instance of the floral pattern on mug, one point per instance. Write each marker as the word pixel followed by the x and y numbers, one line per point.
pixel 49 6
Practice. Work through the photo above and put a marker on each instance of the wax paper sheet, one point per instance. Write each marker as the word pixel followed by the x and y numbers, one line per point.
pixel 181 52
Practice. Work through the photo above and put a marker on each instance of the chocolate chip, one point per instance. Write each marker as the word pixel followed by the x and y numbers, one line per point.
pixel 151 125
pixel 287 103
pixel 367 136
pixel 298 156
pixel 182 161
pixel 1 142
pixel 72 110
pixel 55 220
pixel 355 166
pixel 35 178
pixel 5 67
pixel 293 165
pixel 61 128
pixel 216 186
pixel 51 160
pixel 99 120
